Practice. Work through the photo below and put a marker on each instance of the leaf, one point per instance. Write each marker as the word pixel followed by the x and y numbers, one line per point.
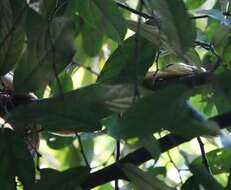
pixel 218 160
pixel 149 31
pixel 191 184
pixel 201 176
pixel 165 109
pixel 228 186
pixel 14 154
pixel 68 179
pixel 175 24
pixel 11 34
pixel 222 92
pixel 49 50
pixel 78 110
pixel 157 171
pixel 92 40
pixel 143 180
pixel 120 67
pixel 66 83
pixel 103 16
pixel 191 4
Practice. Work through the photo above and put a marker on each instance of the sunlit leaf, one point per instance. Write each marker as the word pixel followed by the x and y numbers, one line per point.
pixel 124 64
pixel 91 40
pixel 201 176
pixel 216 160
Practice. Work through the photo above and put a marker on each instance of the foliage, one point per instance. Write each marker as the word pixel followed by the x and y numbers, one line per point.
pixel 106 86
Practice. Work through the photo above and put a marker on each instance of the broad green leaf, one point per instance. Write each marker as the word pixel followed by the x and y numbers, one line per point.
pixel 49 50
pixel 11 34
pixel 191 184
pixel 103 16
pixel 157 171
pixel 192 4
pixel 175 24
pixel 228 186
pixel 165 109
pixel 201 176
pixel 66 180
pixel 65 82
pixel 143 180
pixel 220 39
pixel 222 92
pixel 78 110
pixel 149 31
pixel 121 66
pixel 14 155
pixel 218 160
pixel 92 40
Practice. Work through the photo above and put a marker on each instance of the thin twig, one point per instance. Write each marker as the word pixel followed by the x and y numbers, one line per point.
pixel 88 68
pixel 137 12
pixel 175 166
pixel 199 17
pixel 210 47
pixel 204 156
pixel 82 150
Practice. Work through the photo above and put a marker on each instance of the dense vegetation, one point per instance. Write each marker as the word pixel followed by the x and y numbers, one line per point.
pixel 115 94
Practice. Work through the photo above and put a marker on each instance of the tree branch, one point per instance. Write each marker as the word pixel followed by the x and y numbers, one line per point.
pixel 141 155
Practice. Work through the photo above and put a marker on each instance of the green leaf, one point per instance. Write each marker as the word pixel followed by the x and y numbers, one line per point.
pixel 92 40
pixel 103 16
pixel 143 180
pixel 165 109
pixel 149 31
pixel 157 171
pixel 66 84
pixel 228 186
pixel 175 24
pixel 201 176
pixel 68 179
pixel 222 92
pixel 49 50
pixel 78 110
pixel 191 184
pixel 14 155
pixel 11 34
pixel 120 67
pixel 192 4
pixel 218 160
